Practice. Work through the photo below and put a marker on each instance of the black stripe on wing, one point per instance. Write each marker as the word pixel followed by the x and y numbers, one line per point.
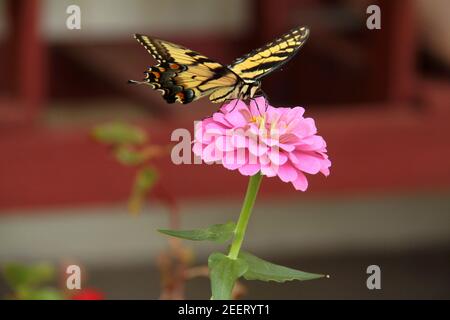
pixel 264 60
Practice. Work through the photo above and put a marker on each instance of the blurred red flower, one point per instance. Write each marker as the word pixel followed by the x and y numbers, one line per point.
pixel 88 294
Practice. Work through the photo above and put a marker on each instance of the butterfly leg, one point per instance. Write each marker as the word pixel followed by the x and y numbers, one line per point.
pixel 266 101
pixel 237 100
pixel 223 103
pixel 228 100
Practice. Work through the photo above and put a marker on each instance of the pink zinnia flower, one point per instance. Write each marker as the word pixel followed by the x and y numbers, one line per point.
pixel 261 138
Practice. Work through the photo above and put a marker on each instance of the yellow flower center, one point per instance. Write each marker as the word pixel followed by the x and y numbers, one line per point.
pixel 259 120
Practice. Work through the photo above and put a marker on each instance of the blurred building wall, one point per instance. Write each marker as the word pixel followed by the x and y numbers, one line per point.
pixel 435 26
pixel 106 19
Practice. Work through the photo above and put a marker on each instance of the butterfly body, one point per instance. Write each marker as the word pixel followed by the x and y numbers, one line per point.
pixel 183 75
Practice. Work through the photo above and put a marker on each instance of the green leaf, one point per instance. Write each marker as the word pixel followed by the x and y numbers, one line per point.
pixel 144 181
pixel 259 269
pixel 119 133
pixel 217 233
pixel 129 157
pixel 224 272
pixel 40 294
pixel 21 276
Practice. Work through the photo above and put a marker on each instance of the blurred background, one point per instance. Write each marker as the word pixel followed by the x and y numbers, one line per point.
pixel 381 99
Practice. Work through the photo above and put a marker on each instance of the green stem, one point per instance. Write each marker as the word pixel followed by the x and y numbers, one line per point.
pixel 246 211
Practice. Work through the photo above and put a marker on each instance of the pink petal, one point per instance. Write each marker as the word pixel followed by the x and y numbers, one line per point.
pixel 249 169
pixel 220 118
pixel 244 157
pixel 273 115
pixel 264 160
pixel 293 124
pixel 271 140
pixel 210 154
pixel 211 133
pixel 258 106
pixel 301 183
pixel 197 149
pixel 325 165
pixel 287 147
pixel 256 148
pixel 287 172
pixel 239 139
pixel 223 143
pixel 236 118
pixel 305 162
pixel 312 143
pixel 198 133
pixel 232 106
pixel 305 128
pixel 277 156
pixel 289 138
pixel 295 113
pixel 269 170
pixel 231 160
pixel 252 129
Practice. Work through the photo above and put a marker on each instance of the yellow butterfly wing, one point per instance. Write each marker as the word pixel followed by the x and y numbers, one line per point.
pixel 262 61
pixel 183 75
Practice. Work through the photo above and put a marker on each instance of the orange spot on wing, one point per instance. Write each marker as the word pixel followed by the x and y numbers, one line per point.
pixel 156 74
pixel 174 66
pixel 180 96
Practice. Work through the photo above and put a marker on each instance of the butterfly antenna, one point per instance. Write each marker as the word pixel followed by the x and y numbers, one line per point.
pixel 224 101
pixel 266 99
pixel 266 103
pixel 236 102
pixel 257 104
pixel 227 100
